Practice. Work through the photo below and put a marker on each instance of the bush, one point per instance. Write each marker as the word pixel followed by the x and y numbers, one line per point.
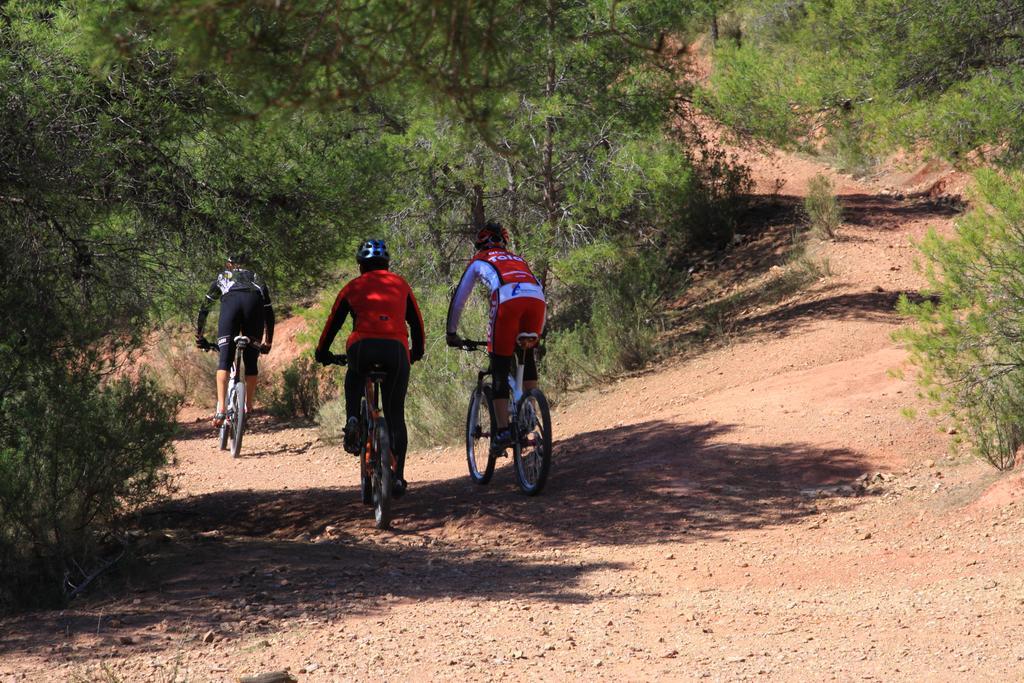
pixel 941 75
pixel 331 420
pixel 63 500
pixel 751 91
pixel 967 344
pixel 604 315
pixel 824 213
pixel 182 369
pixel 299 392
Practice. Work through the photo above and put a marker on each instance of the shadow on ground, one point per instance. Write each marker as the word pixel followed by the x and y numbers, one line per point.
pixel 861 306
pixel 890 213
pixel 766 240
pixel 646 483
pixel 258 423
pixel 863 210
pixel 241 561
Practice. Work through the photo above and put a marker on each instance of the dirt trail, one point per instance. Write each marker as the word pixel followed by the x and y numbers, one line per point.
pixel 708 519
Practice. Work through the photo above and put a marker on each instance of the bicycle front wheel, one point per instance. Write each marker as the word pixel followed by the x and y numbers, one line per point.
pixel 222 436
pixel 479 428
pixel 531 447
pixel 237 419
pixel 383 475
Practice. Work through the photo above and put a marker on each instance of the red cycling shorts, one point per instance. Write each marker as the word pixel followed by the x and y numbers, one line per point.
pixel 522 314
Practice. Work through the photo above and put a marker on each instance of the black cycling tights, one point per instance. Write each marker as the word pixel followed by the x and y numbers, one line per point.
pixel 501 366
pixel 240 312
pixel 393 357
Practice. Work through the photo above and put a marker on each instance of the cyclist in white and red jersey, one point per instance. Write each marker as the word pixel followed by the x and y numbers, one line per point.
pixel 517 306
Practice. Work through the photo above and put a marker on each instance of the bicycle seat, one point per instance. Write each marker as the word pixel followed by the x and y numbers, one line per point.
pixel 528 340
pixel 377 372
pixel 241 341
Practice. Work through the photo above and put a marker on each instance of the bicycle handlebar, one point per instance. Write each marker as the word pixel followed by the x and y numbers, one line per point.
pixel 337 359
pixel 470 345
pixel 207 345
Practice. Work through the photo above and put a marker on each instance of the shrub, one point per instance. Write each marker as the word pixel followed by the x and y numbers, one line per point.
pixel 824 213
pixel 967 341
pixel 63 500
pixel 751 91
pixel 604 315
pixel 181 369
pixel 331 420
pixel 299 392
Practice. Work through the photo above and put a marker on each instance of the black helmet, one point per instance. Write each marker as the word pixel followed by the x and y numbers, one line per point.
pixel 373 250
pixel 239 258
pixel 492 234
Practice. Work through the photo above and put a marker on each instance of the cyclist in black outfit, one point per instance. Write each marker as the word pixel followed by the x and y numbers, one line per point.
pixel 244 308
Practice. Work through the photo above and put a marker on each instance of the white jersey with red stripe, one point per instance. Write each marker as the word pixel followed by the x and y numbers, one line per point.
pixel 506 275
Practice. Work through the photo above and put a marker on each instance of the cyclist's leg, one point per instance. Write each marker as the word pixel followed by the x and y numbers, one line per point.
pixel 354 380
pixel 228 324
pixel 500 367
pixel 532 321
pixel 530 371
pixel 396 359
pixel 354 375
pixel 252 327
pixel 503 331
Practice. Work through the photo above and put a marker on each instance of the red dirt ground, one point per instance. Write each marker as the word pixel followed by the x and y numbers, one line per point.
pixel 758 511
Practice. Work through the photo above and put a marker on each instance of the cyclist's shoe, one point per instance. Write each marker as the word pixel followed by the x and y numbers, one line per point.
pixel 501 441
pixel 218 420
pixel 352 435
pixel 399 488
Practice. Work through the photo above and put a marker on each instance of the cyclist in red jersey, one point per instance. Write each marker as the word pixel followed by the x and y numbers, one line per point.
pixel 517 306
pixel 382 305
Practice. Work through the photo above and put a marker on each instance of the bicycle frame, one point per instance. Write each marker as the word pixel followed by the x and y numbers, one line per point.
pixel 515 378
pixel 371 393
pixel 241 342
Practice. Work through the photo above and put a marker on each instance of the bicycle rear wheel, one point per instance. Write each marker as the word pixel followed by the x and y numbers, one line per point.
pixel 479 429
pixel 383 475
pixel 531 448
pixel 238 419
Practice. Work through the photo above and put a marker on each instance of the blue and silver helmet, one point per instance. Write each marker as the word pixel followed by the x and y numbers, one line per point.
pixel 373 250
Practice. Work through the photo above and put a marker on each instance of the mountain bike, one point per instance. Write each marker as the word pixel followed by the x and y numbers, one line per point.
pixel 529 421
pixel 233 426
pixel 376 461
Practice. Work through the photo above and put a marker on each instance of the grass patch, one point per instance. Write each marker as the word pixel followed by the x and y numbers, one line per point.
pixel 824 212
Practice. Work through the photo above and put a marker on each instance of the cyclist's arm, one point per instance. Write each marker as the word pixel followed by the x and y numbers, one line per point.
pixel 212 295
pixel 339 312
pixel 415 322
pixel 461 296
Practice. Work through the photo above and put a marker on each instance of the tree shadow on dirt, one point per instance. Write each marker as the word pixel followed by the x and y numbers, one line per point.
pixel 860 209
pixel 242 562
pixel 260 423
pixel 618 485
pixel 770 238
pixel 861 306
pixel 651 482
pixel 890 213
pixel 236 585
